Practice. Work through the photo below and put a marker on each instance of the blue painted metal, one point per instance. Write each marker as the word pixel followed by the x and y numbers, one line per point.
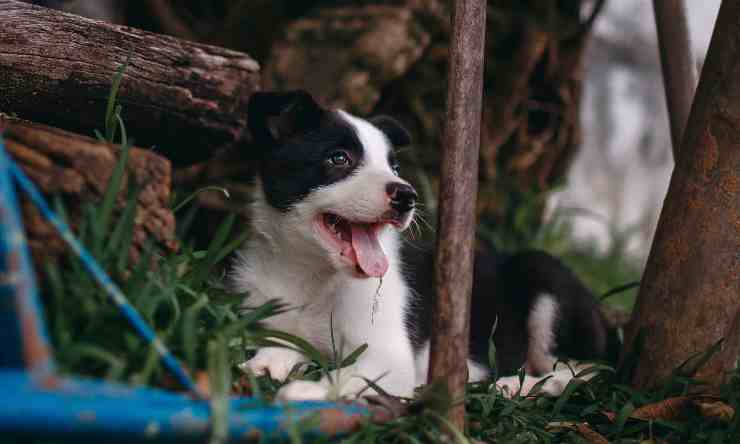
pixel 37 403
pixel 101 277
pixel 24 339
pixel 76 408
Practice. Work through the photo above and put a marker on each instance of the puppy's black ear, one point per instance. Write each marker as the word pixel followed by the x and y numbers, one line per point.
pixel 393 130
pixel 274 117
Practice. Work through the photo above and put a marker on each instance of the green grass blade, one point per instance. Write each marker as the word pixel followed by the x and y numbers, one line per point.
pixel 110 109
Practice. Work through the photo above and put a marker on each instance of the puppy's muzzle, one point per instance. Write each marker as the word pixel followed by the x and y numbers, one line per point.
pixel 402 196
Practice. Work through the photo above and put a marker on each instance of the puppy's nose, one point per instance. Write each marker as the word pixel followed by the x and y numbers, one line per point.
pixel 403 196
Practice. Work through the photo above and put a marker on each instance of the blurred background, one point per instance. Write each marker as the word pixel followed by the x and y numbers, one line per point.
pixel 575 154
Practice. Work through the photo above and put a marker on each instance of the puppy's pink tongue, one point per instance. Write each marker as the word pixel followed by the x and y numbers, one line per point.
pixel 370 256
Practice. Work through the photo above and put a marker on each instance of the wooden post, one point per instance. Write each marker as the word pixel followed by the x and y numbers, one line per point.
pixel 691 287
pixel 679 70
pixel 457 196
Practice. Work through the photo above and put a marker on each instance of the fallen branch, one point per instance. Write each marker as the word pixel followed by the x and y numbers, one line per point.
pixel 185 99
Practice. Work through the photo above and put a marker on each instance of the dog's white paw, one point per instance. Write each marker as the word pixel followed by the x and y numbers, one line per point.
pixel 508 386
pixel 511 385
pixel 303 391
pixel 275 361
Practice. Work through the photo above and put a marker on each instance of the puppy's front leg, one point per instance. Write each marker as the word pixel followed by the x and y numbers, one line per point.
pixel 391 371
pixel 275 361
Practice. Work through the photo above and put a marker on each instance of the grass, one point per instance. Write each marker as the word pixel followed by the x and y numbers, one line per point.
pixel 211 332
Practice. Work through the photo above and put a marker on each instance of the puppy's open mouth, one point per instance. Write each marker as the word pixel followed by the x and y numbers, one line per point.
pixel 357 242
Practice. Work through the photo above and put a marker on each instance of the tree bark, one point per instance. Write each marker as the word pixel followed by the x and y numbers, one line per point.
pixel 679 69
pixel 691 287
pixel 456 239
pixel 78 169
pixel 186 99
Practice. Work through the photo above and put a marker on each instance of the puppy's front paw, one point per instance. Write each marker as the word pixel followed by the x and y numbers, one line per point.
pixel 509 386
pixel 553 387
pixel 275 361
pixel 303 391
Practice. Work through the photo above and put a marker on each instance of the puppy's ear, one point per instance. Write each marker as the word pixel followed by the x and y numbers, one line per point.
pixel 274 117
pixel 393 130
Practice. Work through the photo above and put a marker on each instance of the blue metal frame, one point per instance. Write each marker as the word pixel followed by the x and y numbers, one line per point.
pixel 38 403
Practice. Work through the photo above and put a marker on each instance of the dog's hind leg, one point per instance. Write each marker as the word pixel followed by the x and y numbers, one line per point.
pixel 541 331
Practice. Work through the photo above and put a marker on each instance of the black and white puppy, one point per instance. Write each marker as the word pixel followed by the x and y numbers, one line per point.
pixel 327 215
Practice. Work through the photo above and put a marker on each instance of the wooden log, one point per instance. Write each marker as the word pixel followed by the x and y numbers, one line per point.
pixel 457 197
pixel 77 169
pixel 679 69
pixel 690 291
pixel 186 99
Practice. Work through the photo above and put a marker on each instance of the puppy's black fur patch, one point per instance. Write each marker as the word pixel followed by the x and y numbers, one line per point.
pixel 297 139
pixel 393 130
pixel 505 288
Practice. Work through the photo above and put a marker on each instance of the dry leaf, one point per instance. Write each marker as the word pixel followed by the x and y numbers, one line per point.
pixel 667 409
pixel 590 434
pixel 716 410
pixel 560 426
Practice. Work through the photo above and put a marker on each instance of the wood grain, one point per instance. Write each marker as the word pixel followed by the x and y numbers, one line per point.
pixel 78 169
pixel 457 197
pixel 677 62
pixel 185 99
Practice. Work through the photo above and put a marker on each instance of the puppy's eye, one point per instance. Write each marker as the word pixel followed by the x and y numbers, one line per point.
pixel 339 158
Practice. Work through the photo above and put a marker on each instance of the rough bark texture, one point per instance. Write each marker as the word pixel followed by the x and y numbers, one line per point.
pixel 369 47
pixel 691 288
pixel 186 99
pixel 679 70
pixel 78 169
pixel 456 236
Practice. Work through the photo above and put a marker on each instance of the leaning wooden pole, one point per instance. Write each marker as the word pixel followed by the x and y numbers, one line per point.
pixel 457 196
pixel 677 62
pixel 690 294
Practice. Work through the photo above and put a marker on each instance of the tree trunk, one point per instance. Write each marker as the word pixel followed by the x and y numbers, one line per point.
pixel 677 62
pixel 186 99
pixel 77 169
pixel 691 287
pixel 448 356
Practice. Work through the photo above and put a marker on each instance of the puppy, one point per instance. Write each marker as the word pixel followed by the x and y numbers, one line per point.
pixel 328 211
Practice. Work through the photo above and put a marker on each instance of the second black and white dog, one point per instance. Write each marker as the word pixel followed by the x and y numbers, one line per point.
pixel 328 210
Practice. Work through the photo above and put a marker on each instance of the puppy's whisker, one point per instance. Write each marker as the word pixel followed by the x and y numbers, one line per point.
pixel 419 217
